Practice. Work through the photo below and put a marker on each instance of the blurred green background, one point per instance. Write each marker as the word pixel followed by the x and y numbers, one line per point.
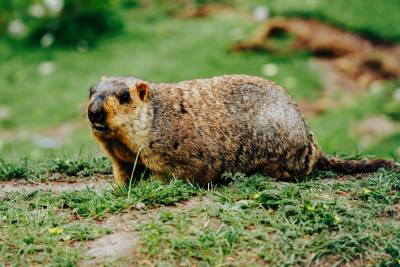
pixel 52 51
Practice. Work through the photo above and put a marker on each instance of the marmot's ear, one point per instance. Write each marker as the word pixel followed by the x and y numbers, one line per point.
pixel 142 89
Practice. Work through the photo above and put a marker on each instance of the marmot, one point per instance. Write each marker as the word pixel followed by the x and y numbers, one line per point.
pixel 199 129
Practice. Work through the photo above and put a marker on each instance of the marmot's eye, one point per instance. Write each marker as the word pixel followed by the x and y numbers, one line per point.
pixel 124 97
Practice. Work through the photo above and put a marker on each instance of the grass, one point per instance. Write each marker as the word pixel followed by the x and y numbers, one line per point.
pixel 261 222
pixel 31 234
pixel 335 128
pixel 45 105
pixel 253 220
pixel 42 172
pixel 148 49
pixel 372 18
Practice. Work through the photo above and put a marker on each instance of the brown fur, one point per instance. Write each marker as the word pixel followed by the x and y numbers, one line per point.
pixel 197 130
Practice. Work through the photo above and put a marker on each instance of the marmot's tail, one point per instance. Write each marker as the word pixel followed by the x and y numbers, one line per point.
pixel 351 166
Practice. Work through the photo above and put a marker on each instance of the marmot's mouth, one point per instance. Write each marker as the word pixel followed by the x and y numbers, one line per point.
pixel 100 128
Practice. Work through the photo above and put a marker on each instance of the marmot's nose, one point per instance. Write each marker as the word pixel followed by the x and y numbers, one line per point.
pixel 96 113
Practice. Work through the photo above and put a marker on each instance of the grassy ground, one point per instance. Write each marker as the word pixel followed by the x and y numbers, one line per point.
pixel 253 221
pixel 148 49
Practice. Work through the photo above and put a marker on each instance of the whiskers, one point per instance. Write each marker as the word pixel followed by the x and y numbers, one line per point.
pixel 82 109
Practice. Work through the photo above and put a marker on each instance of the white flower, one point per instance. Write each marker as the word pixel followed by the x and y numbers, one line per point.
pixel 36 11
pixel 46 68
pixel 47 40
pixel 17 28
pixel 54 6
pixel 260 13
pixel 270 69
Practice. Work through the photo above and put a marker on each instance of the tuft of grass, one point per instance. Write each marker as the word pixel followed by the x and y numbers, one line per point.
pixel 31 234
pixel 20 169
pixel 26 169
pixel 99 203
pixel 81 166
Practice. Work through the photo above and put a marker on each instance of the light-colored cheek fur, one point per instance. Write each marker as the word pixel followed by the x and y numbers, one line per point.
pixel 133 129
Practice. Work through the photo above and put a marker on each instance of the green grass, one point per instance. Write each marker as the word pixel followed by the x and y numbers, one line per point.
pixel 31 234
pixel 258 221
pixel 255 220
pixel 156 50
pixel 160 48
pixel 334 128
pixel 375 19
pixel 43 172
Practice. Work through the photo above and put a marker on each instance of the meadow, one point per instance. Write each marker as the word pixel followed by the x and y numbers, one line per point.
pixel 44 90
pixel 56 206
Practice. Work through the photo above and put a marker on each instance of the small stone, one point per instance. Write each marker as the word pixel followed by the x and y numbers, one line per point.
pixel 140 206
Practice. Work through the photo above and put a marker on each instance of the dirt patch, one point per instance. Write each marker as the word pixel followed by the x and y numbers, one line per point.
pixel 55 187
pixel 194 11
pixel 110 247
pixel 124 241
pixel 374 127
pixel 353 55
pixel 333 260
pixel 339 178
pixel 350 63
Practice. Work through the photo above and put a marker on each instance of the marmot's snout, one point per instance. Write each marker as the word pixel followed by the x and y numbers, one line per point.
pixel 97 115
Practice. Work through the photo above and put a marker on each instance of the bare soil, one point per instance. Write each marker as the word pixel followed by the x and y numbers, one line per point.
pixel 350 63
pixel 55 187
pixel 123 241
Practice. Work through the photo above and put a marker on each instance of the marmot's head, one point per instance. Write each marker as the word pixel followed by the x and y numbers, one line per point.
pixel 114 102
